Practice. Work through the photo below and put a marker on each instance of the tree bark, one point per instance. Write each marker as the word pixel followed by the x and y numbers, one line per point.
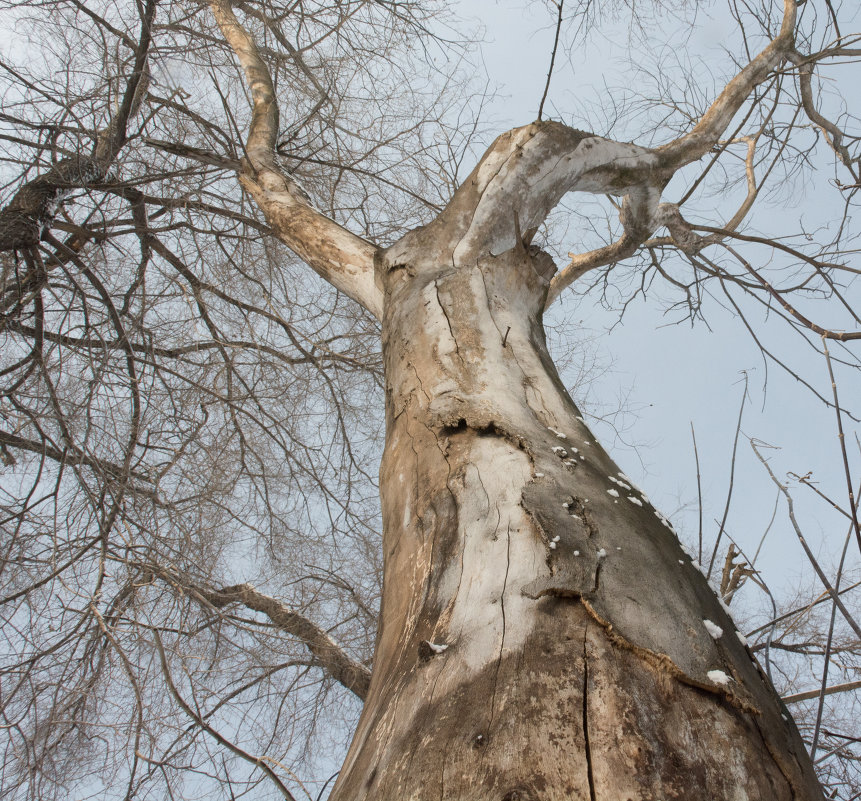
pixel 543 634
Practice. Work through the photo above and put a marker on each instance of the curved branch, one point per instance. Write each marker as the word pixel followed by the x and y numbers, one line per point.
pixel 581 263
pixel 650 170
pixel 640 215
pixel 833 135
pixel 752 188
pixel 706 133
pixel 342 258
pixel 329 655
pixel 578 161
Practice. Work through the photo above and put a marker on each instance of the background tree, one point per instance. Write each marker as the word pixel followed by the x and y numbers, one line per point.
pixel 192 564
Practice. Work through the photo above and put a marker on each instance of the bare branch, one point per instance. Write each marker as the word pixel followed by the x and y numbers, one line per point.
pixel 339 256
pixel 330 656
pixel 261 762
pixel 37 202
pixel 809 695
pixel 706 133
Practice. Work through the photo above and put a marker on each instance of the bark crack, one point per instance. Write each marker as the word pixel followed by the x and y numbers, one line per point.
pixel 663 663
pixel 502 609
pixel 588 753
pixel 785 770
pixel 419 379
pixel 448 321
pixel 481 193
pixel 577 508
pixel 489 306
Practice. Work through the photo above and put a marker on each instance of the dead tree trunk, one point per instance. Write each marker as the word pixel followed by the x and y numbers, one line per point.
pixel 543 634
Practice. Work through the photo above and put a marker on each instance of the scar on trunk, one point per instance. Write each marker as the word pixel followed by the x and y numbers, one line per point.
pixel 666 665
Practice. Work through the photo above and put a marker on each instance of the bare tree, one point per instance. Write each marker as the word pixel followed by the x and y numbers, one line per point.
pixel 192 574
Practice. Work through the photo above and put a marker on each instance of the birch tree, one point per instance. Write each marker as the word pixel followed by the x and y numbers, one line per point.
pixel 541 631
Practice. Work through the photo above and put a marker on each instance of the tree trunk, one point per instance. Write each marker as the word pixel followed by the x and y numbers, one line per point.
pixel 543 635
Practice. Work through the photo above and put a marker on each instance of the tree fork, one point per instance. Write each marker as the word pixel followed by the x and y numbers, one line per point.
pixel 542 632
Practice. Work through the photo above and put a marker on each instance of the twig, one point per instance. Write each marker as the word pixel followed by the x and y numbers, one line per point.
pixel 811 558
pixel 826 657
pixel 552 58
pixel 699 496
pixel 800 610
pixel 853 507
pixel 731 477
pixel 257 761
pixel 842 336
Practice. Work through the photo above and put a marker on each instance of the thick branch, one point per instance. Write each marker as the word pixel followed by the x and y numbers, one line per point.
pixel 36 203
pixel 75 457
pixel 331 657
pixel 526 172
pixel 340 257
pixel 640 214
pixel 263 131
pixel 581 263
pixel 706 133
pixel 651 170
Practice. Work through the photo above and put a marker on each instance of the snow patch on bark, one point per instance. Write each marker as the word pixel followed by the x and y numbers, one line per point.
pixel 719 677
